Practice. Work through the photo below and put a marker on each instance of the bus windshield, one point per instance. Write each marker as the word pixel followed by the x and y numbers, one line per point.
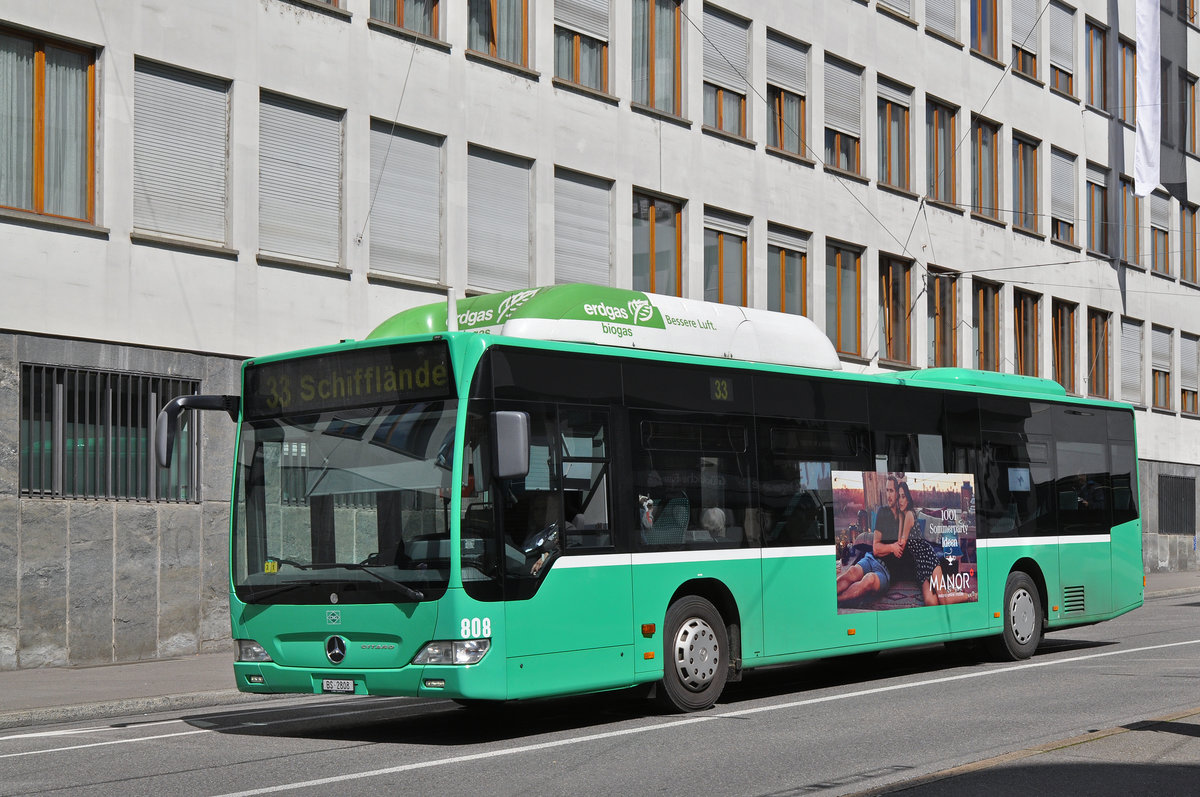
pixel 345 506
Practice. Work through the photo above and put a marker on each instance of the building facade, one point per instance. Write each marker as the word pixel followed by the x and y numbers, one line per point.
pixel 183 185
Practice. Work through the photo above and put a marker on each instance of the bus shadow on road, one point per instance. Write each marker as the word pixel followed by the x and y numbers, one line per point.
pixel 428 722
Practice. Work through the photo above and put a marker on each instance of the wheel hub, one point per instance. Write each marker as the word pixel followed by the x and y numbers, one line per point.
pixel 1021 616
pixel 697 654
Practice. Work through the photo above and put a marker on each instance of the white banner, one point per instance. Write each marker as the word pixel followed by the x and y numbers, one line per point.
pixel 1148 96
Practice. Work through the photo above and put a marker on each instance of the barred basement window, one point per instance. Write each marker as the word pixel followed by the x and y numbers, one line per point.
pixel 1176 505
pixel 90 434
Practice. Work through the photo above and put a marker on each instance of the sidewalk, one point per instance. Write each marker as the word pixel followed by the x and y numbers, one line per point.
pixel 63 694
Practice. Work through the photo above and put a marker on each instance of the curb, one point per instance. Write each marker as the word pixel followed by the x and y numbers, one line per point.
pixel 127 707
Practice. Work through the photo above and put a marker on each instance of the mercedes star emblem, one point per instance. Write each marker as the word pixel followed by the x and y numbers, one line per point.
pixel 335 649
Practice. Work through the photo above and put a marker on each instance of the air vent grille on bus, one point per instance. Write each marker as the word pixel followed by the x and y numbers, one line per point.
pixel 1073 600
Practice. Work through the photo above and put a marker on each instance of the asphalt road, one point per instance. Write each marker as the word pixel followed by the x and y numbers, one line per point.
pixel 920 721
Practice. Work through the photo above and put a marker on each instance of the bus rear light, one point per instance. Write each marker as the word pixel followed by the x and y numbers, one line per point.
pixel 457 651
pixel 249 650
pixel 648 630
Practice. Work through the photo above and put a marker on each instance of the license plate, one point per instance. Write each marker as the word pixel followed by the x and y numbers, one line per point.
pixel 337 685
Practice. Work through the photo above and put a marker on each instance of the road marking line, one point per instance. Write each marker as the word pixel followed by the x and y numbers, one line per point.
pixel 101 744
pixel 542 746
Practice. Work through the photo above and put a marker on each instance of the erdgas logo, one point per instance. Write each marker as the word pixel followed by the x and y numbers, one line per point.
pixel 641 310
pixel 607 311
pixel 512 303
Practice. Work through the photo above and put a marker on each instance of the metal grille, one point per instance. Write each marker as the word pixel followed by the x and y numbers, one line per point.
pixel 90 434
pixel 1073 600
pixel 1177 505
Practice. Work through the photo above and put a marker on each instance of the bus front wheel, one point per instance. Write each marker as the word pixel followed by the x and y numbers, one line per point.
pixel 696 652
pixel 1022 619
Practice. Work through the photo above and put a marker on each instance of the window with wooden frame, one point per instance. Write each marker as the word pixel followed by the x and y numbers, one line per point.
pixel 1160 367
pixel 1127 68
pixel 499 28
pixel 1062 196
pixel 1131 219
pixel 941 146
pixel 985 168
pixel 1097 209
pixel 1097 56
pixel 985 323
pixel 419 16
pixel 1064 344
pixel 657 245
pixel 1189 351
pixel 657 47
pixel 1025 183
pixel 1160 237
pixel 787 92
pixel 726 69
pixel 983 27
pixel 48 143
pixel 843 116
pixel 724 259
pixel 1025 332
pixel 581 42
pixel 1187 243
pixel 894 100
pixel 1187 10
pixel 843 296
pixel 895 296
pixel 942 312
pixel 787 271
pixel 1099 360
pixel 1187 106
pixel 1024 16
pixel 1062 49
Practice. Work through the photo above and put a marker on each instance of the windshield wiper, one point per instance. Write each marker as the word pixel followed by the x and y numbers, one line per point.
pixel 267 593
pixel 405 590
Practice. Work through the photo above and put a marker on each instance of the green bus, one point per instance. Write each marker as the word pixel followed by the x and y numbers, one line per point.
pixel 579 489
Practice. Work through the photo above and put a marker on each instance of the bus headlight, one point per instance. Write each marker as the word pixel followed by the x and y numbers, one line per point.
pixel 458 651
pixel 249 650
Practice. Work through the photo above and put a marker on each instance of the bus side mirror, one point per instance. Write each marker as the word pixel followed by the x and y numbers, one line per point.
pixel 167 426
pixel 510 442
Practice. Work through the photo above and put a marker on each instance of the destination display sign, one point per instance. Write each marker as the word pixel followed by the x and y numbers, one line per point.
pixel 340 380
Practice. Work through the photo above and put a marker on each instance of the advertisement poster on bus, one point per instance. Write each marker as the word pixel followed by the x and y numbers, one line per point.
pixel 904 540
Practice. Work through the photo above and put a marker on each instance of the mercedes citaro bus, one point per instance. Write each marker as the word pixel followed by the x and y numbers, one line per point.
pixel 575 489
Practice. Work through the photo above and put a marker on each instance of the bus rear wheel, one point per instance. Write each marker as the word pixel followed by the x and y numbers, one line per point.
pixel 1022 619
pixel 696 652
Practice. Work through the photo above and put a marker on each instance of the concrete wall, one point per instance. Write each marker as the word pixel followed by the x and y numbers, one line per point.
pixel 1165 552
pixel 92 582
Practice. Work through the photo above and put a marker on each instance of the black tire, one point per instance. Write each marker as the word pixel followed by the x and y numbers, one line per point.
pixel 695 655
pixel 1022 619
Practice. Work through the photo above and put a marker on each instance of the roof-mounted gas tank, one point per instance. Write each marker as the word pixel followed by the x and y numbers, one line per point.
pixel 630 319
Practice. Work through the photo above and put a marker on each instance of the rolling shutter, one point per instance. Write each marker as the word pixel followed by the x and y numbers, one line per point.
pixel 843 90
pixel 1189 364
pixel 1024 25
pixel 725 51
pixel 1160 211
pixel 1160 349
pixel 941 16
pixel 1131 360
pixel 497 221
pixel 581 229
pixel 589 17
pixel 899 6
pixel 1062 186
pixel 1062 38
pixel 787 64
pixel 406 202
pixel 299 179
pixel 180 140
